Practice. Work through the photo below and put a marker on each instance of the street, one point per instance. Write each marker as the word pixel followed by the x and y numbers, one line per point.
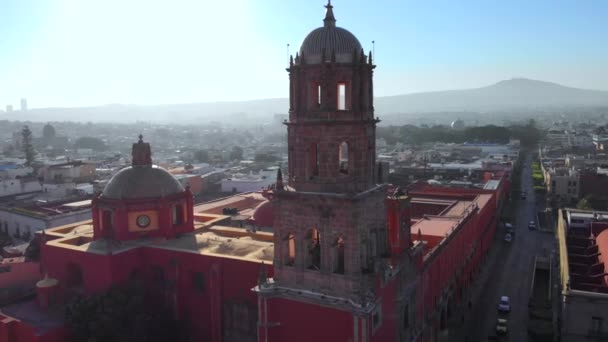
pixel 509 271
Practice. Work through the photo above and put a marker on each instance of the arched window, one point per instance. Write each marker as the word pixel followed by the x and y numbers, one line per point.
pixel 343 97
pixel 106 220
pixel 75 278
pixel 318 103
pixel 338 255
pixel 343 157
pixel 178 214
pixel 313 256
pixel 313 159
pixel 289 252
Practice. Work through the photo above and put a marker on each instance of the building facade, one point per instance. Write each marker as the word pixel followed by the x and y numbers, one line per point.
pixel 583 246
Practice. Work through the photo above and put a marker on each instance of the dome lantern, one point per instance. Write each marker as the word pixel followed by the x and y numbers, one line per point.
pixel 328 43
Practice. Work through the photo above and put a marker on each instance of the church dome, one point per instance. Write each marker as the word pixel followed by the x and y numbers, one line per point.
pixel 142 180
pixel 331 40
pixel 48 131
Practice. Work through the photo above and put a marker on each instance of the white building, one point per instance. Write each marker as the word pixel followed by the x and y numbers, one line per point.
pixel 27 219
pixel 251 182
pixel 562 183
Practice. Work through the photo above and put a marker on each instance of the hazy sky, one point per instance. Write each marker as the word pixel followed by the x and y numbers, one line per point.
pixel 85 52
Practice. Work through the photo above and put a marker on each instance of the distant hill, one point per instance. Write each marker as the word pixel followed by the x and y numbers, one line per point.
pixel 517 93
pixel 514 94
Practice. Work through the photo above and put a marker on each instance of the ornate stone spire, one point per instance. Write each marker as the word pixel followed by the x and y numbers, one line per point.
pixel 141 153
pixel 262 276
pixel 279 184
pixel 330 20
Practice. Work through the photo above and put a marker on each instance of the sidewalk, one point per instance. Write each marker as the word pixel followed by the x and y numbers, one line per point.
pixel 476 290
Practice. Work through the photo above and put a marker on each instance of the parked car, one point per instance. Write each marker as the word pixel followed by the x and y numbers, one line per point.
pixel 501 326
pixel 504 305
pixel 531 225
pixel 508 237
pixel 523 195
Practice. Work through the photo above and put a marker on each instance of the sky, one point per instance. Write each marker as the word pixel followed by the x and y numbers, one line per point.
pixel 69 53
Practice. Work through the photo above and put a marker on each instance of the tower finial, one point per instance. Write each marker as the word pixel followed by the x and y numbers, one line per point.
pixel 141 154
pixel 330 20
pixel 279 183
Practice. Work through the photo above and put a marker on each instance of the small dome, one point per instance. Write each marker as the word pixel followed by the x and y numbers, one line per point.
pixel 142 182
pixel 332 39
pixel 263 215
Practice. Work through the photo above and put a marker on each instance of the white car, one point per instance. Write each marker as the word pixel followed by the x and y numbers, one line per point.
pixel 501 326
pixel 504 305
pixel 508 237
pixel 531 225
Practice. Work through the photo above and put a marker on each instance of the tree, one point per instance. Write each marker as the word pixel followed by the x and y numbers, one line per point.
pixel 202 156
pixel 583 204
pixel 92 143
pixel 28 148
pixel 236 153
pixel 120 314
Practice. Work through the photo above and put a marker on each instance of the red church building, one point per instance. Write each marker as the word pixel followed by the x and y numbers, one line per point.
pixel 342 257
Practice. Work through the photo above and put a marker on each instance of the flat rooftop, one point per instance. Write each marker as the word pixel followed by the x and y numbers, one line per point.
pixel 241 202
pixel 50 209
pixel 208 238
pixel 435 217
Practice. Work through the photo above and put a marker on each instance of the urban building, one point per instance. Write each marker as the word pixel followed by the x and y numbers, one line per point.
pixel 249 182
pixel 24 105
pixel 562 183
pixel 583 246
pixel 23 221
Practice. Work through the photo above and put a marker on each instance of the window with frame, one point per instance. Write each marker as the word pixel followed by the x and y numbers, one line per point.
pixel 596 325
pixel 178 214
pixel 377 318
pixel 198 282
pixel 406 317
pixel 343 157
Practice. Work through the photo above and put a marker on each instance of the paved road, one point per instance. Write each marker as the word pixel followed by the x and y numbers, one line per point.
pixel 509 271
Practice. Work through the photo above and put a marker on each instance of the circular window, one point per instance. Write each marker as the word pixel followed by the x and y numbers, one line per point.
pixel 143 221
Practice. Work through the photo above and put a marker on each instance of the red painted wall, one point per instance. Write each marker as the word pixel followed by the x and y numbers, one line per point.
pixel 302 322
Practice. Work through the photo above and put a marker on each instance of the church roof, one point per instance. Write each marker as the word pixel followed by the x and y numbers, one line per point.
pixel 328 41
pixel 142 182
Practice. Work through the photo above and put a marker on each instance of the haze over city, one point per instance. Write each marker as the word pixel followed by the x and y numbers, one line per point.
pixel 271 171
pixel 73 53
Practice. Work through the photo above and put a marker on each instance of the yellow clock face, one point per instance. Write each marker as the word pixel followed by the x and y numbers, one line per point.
pixel 143 221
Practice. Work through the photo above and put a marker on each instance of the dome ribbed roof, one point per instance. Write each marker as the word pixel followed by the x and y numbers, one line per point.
pixel 142 182
pixel 332 39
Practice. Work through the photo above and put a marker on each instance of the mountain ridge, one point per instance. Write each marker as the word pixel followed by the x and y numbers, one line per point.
pixel 511 94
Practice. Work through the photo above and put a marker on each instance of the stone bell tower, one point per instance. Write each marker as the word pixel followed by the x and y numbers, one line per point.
pixel 330 219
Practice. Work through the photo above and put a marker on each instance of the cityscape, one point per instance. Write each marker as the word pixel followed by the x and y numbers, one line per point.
pixel 333 214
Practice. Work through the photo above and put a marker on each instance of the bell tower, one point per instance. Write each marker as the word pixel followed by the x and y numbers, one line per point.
pixel 330 217
pixel 331 127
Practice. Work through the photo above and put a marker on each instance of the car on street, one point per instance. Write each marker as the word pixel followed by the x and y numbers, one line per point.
pixel 508 237
pixel 531 225
pixel 504 305
pixel 501 326
pixel 509 229
pixel 523 195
